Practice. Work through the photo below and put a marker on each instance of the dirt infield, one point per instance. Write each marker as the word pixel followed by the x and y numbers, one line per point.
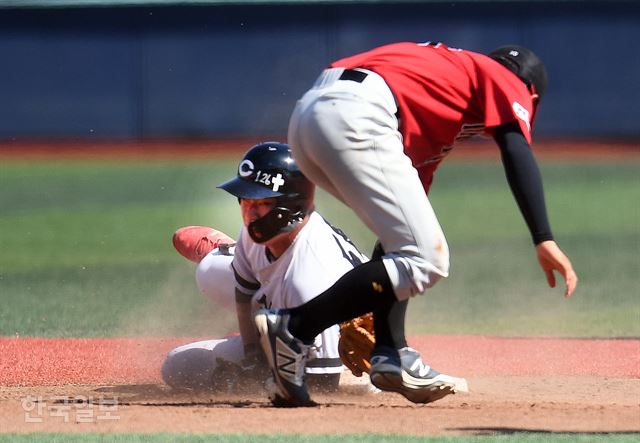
pixel 534 385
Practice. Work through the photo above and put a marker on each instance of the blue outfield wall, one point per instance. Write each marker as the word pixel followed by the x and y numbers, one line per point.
pixel 229 70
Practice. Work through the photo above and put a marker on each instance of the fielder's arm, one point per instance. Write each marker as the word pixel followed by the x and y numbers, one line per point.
pixel 525 181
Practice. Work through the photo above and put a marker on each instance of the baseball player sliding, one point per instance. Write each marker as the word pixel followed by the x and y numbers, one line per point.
pixel 286 253
pixel 372 131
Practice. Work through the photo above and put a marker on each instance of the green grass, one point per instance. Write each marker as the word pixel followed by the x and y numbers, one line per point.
pixel 85 250
pixel 496 286
pixel 522 437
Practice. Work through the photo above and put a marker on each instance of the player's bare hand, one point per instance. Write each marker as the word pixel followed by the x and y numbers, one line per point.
pixel 552 259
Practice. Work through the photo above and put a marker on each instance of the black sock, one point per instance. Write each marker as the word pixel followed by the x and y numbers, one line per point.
pixel 397 322
pixel 366 288
pixel 388 322
pixel 382 328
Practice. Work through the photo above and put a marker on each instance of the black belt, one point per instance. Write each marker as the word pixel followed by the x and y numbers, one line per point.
pixel 353 75
pixel 358 77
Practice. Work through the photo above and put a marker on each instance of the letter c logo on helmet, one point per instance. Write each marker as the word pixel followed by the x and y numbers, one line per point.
pixel 246 168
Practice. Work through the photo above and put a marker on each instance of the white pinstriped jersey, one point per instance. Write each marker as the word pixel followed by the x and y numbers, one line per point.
pixel 319 256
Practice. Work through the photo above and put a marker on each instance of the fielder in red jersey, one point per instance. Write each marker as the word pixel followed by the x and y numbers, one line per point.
pixel 445 95
pixel 371 131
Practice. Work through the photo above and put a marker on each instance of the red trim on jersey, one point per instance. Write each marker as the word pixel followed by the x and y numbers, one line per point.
pixel 445 95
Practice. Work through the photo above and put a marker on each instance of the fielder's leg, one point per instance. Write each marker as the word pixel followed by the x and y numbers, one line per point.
pixel 345 138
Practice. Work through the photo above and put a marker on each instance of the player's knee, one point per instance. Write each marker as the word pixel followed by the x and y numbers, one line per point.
pixel 413 274
pixel 214 278
pixel 428 275
pixel 188 369
pixel 435 269
pixel 434 263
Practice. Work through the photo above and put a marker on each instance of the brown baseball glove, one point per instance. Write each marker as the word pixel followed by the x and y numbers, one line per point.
pixel 357 339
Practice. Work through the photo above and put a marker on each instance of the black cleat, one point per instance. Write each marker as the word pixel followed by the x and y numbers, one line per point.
pixel 287 357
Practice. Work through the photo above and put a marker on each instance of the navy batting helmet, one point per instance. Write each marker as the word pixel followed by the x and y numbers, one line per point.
pixel 523 63
pixel 268 170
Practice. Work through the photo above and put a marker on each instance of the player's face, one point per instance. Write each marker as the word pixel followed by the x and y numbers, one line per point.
pixel 253 209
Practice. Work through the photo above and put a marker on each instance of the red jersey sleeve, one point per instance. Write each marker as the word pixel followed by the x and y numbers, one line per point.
pixel 503 96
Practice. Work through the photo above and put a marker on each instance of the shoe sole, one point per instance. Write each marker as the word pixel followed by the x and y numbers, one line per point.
pixel 425 394
pixel 458 384
pixel 281 397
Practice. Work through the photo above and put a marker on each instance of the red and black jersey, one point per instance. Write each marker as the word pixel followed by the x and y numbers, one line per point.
pixel 445 95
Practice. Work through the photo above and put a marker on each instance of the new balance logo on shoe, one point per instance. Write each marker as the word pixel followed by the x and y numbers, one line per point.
pixel 287 362
pixel 286 356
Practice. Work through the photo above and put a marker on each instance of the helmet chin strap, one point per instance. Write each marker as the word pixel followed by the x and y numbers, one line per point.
pixel 278 221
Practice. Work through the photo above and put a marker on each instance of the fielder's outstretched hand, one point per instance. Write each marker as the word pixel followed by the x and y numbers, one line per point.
pixel 552 259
